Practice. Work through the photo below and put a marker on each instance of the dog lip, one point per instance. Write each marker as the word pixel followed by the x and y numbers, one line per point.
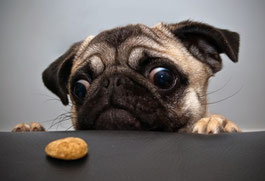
pixel 117 118
pixel 115 107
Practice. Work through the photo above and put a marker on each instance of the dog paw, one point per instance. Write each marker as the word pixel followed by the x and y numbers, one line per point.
pixel 23 127
pixel 214 124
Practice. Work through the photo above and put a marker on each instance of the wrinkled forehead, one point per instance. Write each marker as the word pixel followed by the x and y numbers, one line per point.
pixel 123 45
pixel 116 37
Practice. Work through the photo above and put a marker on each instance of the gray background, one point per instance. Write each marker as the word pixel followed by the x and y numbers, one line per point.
pixel 34 33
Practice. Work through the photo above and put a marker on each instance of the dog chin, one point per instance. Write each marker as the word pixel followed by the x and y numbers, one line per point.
pixel 117 119
pixel 122 118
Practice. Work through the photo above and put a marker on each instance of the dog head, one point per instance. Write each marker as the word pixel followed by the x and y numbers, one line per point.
pixel 137 77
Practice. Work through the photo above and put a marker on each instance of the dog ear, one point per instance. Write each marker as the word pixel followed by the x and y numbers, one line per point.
pixel 206 42
pixel 55 77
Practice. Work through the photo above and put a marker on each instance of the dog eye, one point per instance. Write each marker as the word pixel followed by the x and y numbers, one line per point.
pixel 162 77
pixel 80 88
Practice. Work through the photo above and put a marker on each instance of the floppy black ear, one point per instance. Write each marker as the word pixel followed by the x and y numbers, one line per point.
pixel 206 42
pixel 55 77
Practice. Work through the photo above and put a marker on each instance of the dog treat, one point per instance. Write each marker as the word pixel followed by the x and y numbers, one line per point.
pixel 70 148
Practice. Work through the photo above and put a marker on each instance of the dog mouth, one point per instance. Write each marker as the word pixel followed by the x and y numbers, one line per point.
pixel 117 118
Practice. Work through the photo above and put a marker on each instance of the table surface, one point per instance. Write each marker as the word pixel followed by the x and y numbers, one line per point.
pixel 132 155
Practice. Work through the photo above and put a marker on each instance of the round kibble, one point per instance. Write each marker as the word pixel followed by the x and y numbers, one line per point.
pixel 70 148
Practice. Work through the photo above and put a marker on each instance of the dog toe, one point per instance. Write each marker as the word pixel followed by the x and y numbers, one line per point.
pixel 215 124
pixel 231 127
pixel 35 126
pixel 201 126
pixel 23 127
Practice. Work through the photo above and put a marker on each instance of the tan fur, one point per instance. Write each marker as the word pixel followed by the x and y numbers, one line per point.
pixel 22 127
pixel 214 124
pixel 33 126
pixel 84 45
pixel 74 115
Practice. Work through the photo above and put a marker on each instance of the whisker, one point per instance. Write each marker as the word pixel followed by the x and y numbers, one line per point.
pixel 227 82
pixel 58 126
pixel 217 90
pixel 69 128
pixel 52 99
pixel 59 121
pixel 226 97
pixel 61 118
pixel 45 95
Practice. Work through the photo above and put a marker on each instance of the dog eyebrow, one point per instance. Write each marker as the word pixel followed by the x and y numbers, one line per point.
pixel 91 67
pixel 96 64
pixel 94 58
pixel 132 47
pixel 139 53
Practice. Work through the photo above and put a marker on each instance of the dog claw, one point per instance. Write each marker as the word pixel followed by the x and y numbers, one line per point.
pixel 33 126
pixel 214 124
pixel 23 127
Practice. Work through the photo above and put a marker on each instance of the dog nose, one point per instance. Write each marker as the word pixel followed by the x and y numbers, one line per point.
pixel 114 81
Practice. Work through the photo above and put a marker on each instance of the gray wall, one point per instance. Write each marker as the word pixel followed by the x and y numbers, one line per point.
pixel 34 33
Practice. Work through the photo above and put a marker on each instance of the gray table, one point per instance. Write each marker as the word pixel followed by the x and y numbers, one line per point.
pixel 121 155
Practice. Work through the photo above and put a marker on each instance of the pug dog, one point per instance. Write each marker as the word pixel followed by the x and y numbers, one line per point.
pixel 143 78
